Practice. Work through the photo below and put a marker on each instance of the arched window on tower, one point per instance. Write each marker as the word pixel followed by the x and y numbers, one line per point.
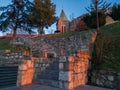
pixel 63 28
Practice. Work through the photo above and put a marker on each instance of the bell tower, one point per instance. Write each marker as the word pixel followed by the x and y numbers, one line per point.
pixel 63 22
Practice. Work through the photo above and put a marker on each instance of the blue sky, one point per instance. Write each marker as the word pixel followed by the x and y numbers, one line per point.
pixel 72 8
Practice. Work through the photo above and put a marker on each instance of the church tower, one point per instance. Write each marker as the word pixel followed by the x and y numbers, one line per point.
pixel 63 22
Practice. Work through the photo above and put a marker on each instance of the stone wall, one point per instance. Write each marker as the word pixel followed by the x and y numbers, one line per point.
pixel 63 62
pixel 10 58
pixel 64 46
pixel 25 67
pixel 14 55
pixel 11 55
pixel 106 78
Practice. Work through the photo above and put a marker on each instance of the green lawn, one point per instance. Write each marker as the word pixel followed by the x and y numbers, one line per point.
pixel 63 35
pixel 68 34
pixel 107 47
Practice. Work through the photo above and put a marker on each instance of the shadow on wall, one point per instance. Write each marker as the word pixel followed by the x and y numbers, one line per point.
pixel 47 71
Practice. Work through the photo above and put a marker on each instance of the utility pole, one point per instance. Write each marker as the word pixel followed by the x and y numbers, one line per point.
pixel 97 17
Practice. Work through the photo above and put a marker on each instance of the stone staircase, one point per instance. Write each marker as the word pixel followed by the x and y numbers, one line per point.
pixel 46 72
pixel 8 76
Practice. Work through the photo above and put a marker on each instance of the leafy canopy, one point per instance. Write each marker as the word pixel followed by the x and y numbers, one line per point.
pixel 13 16
pixel 96 16
pixel 42 14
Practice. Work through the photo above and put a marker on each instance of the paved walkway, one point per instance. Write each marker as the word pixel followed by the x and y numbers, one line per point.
pixel 42 87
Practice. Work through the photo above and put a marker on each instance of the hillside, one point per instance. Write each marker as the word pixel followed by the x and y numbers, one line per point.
pixel 107 48
pixel 5 44
pixel 106 54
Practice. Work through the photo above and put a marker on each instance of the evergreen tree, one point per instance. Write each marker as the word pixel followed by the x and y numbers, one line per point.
pixel 96 16
pixel 42 15
pixel 13 16
pixel 90 19
pixel 115 12
pixel 101 5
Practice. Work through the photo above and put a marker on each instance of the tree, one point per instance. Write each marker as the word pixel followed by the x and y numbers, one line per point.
pixel 98 6
pixel 13 16
pixel 90 19
pixel 42 14
pixel 115 12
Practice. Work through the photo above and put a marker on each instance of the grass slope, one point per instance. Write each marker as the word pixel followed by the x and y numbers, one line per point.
pixel 5 44
pixel 107 47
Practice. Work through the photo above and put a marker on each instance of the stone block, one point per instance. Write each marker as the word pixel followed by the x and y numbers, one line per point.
pixel 35 76
pixel 77 67
pixel 61 84
pixel 66 76
pixel 29 64
pixel 68 85
pixel 83 67
pixel 98 82
pixel 83 82
pixel 111 78
pixel 36 65
pixel 22 67
pixel 20 56
pixel 63 59
pixel 71 59
pixel 80 76
pixel 85 49
pixel 61 66
pixel 70 66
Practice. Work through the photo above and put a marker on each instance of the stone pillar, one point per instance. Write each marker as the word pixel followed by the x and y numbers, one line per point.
pixel 66 72
pixel 25 72
pixel 73 70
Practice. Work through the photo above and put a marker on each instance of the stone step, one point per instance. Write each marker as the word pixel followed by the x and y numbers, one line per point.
pixel 8 76
pixel 48 75
pixel 54 83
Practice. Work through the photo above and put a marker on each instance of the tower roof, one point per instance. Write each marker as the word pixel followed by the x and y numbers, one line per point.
pixel 63 16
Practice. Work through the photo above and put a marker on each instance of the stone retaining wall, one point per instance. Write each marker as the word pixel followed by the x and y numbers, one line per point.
pixel 63 62
pixel 10 58
pixel 106 78
pixel 14 55
pixel 64 46
pixel 25 67
pixel 11 55
pixel 60 62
